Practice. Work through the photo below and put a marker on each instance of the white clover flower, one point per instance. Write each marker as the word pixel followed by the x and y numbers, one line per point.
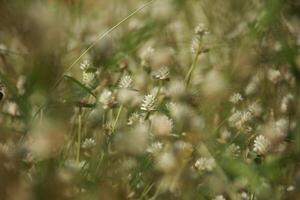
pixel 135 117
pixel 85 65
pixel 107 99
pixel 219 197
pixel 148 103
pixel 261 145
pixel 161 125
pixel 239 119
pixel 125 82
pixel 233 151
pixel 205 164
pixel 162 73
pixel 252 86
pixel 89 78
pixel 235 98
pixel 88 143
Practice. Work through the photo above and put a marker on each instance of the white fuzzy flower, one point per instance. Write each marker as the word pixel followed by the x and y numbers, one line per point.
pixel 162 73
pixel 125 82
pixel 161 125
pixel 148 103
pixel 146 55
pixel 107 99
pixel 88 143
pixel 274 75
pixel 85 65
pixel 89 78
pixel 252 86
pixel 261 145
pixel 235 98
pixel 219 197
pixel 205 164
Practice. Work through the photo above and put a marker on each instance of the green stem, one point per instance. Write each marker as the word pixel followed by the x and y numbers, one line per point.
pixel 117 118
pixel 79 135
pixel 192 67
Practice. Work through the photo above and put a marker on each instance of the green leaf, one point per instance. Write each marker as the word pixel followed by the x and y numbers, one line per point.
pixel 80 85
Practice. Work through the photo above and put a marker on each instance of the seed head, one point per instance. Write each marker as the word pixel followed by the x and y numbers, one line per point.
pixel 148 103
pixel 125 82
pixel 261 145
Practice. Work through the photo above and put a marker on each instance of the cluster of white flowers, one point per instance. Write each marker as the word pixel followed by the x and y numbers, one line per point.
pixel 125 82
pixel 88 143
pixel 261 145
pixel 107 99
pixel 238 119
pixel 205 164
pixel 236 98
pixel 149 103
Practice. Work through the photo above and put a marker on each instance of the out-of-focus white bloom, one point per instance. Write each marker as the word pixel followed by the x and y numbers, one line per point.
pixel 255 108
pixel 74 165
pixel 252 86
pixel 148 103
pixel 205 164
pixel 166 162
pixel 282 126
pixel 11 108
pixel 290 188
pixel 195 45
pixel 161 125
pixel 155 147
pixel 239 118
pixel 286 100
pixel 162 73
pixel 107 99
pixel 261 145
pixel 135 117
pixel 146 55
pixel 176 88
pixel 244 196
pixel 219 197
pixel 274 75
pixel 235 98
pixel 214 84
pixel 21 85
pixel 233 151
pixel 88 143
pixel 201 30
pixel 225 135
pixel 135 141
pixel 125 82
pixel 128 97
pixel 85 65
